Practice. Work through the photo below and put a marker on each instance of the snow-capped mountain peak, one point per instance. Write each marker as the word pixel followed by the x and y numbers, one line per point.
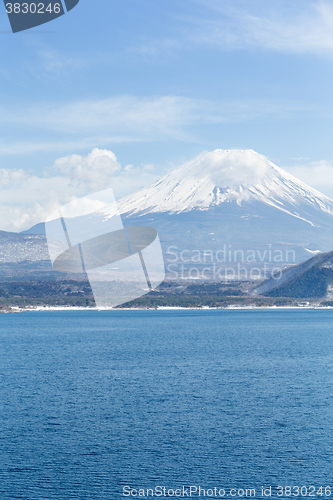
pixel 232 203
pixel 227 176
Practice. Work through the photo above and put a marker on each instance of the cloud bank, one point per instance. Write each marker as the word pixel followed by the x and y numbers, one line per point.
pixel 28 199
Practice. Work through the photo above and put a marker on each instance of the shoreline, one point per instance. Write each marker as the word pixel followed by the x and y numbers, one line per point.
pixel 162 308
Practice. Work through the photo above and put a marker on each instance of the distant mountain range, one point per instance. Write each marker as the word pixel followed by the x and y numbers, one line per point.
pixel 229 206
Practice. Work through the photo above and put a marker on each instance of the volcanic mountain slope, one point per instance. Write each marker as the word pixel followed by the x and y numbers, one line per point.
pixel 222 177
pixel 233 197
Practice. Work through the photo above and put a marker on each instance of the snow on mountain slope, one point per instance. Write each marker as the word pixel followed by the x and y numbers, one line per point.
pixel 226 176
pixel 234 203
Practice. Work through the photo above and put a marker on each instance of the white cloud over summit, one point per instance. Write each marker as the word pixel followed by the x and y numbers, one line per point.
pixel 229 168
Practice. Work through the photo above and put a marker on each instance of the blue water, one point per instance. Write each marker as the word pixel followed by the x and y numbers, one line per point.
pixel 93 401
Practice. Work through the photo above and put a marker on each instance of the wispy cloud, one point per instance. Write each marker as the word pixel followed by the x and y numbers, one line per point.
pixel 88 123
pixel 54 64
pixel 122 113
pixel 11 147
pixel 277 27
pixel 294 27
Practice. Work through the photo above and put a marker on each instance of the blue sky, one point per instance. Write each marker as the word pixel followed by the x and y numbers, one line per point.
pixel 149 84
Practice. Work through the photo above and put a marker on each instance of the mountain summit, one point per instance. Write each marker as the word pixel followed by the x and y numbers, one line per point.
pixel 228 207
pixel 236 200
pixel 235 176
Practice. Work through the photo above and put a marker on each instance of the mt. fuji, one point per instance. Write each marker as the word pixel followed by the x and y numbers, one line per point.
pixel 230 206
pixel 234 199
pixel 229 176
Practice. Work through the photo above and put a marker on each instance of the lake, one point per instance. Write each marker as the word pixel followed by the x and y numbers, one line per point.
pixel 95 404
